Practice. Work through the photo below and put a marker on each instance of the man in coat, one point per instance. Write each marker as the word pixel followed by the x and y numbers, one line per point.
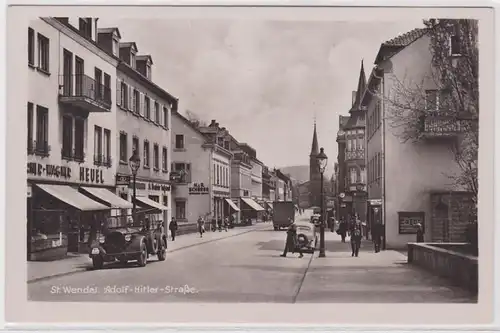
pixel 291 241
pixel 173 228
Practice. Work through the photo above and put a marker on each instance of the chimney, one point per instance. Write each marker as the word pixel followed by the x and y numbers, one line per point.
pixel 353 97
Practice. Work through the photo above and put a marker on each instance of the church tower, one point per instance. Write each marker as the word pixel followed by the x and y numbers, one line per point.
pixel 314 174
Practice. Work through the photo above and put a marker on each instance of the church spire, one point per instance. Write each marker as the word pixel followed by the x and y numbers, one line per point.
pixel 361 88
pixel 314 146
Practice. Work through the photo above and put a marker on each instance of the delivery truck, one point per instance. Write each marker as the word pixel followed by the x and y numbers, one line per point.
pixel 283 214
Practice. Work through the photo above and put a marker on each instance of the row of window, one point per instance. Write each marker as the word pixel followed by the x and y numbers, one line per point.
pixel 132 99
pixel 374 119
pixel 375 169
pixel 146 152
pixel 42 45
pixel 221 175
pixel 357 175
pixel 355 144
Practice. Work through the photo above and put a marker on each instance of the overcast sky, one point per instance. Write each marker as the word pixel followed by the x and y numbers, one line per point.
pixel 263 80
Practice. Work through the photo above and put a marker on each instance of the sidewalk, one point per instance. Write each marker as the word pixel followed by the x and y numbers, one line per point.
pixel 74 263
pixel 383 277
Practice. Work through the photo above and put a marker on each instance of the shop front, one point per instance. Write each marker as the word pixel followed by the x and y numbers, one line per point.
pixel 61 216
pixel 152 199
pixel 251 211
pixel 221 207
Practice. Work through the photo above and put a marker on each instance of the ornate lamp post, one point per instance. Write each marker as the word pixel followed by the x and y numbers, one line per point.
pixel 134 163
pixel 322 161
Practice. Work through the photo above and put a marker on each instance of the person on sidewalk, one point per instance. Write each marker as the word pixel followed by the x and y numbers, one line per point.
pixel 356 240
pixel 420 233
pixel 201 226
pixel 173 228
pixel 226 223
pixel 342 230
pixel 291 241
pixel 219 224
pixel 377 236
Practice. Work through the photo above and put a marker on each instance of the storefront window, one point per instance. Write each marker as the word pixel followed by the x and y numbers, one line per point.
pixel 180 209
pixel 48 230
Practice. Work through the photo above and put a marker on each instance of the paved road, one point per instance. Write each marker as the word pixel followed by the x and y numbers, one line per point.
pixel 248 268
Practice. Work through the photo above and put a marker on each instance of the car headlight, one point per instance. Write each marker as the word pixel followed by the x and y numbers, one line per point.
pixel 102 239
pixel 128 238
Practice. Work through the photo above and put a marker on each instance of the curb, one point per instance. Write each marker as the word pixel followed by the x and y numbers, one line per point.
pixel 80 270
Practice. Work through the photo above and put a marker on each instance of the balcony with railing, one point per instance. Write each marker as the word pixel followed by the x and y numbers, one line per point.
pixel 82 91
pixel 441 127
pixel 39 148
pixel 358 154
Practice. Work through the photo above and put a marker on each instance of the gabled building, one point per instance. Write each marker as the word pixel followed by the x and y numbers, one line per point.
pixel 408 182
pixel 351 158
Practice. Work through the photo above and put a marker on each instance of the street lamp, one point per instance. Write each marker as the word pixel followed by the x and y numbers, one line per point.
pixel 135 163
pixel 322 161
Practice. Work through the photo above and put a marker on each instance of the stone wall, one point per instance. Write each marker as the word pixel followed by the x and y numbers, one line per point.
pixel 459 268
pixel 451 213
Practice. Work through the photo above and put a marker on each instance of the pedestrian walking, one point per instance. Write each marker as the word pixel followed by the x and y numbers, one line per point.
pixel 356 240
pixel 219 224
pixel 377 236
pixel 201 226
pixel 420 233
pixel 291 241
pixel 342 230
pixel 226 223
pixel 173 228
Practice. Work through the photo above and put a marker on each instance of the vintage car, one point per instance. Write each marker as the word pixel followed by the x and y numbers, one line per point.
pixel 129 243
pixel 307 237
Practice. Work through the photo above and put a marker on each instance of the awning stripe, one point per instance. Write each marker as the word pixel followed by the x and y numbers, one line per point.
pixel 253 204
pixel 232 205
pixel 151 203
pixel 72 197
pixel 107 196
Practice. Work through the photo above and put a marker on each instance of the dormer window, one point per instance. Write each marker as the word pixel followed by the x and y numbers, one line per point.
pixel 148 71
pixel 132 59
pixel 85 27
pixel 115 47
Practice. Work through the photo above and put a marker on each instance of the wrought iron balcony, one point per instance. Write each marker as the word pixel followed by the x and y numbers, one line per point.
pixel 76 154
pixel 358 154
pixel 435 127
pixel 84 92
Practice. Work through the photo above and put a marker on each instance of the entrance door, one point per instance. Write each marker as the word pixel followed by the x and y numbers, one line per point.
pixel 67 73
pixel 98 83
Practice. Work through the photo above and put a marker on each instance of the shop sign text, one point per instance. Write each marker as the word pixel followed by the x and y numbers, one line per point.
pixel 49 170
pixel 408 222
pixel 198 189
pixel 91 175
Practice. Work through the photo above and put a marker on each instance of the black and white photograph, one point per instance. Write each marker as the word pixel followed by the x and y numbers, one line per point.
pixel 251 160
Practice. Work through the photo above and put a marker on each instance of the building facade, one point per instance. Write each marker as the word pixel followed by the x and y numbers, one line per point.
pixel 351 142
pixel 143 118
pixel 71 125
pixel 407 182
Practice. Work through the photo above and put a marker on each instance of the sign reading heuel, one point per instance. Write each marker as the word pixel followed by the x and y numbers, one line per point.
pixel 198 189
pixel 408 222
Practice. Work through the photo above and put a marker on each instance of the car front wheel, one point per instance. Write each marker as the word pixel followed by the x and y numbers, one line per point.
pixel 97 262
pixel 143 257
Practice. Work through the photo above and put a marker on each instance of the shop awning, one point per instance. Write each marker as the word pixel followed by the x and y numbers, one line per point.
pixel 72 197
pixel 255 206
pixel 107 196
pixel 269 204
pixel 232 205
pixel 151 203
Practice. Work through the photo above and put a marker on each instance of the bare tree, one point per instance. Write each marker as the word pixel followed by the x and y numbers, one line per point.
pixel 453 107
pixel 195 119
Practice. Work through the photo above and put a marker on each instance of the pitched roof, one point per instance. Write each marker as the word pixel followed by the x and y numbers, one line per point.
pixel 144 58
pixel 109 30
pixel 128 44
pixel 396 44
pixel 314 145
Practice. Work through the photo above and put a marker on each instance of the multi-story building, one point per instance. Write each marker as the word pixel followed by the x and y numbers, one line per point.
pixel 143 117
pixel 200 169
pixel 268 189
pixel 283 186
pixel 408 182
pixel 218 141
pixel 242 183
pixel 351 142
pixel 71 126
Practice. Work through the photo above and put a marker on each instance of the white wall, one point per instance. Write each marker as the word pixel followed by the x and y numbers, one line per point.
pixel 412 170
pixel 43 90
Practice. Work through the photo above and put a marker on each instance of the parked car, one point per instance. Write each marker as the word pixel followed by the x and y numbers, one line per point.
pixel 307 237
pixel 129 243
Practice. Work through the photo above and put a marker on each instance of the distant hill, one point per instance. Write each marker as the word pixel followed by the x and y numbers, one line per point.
pixel 300 173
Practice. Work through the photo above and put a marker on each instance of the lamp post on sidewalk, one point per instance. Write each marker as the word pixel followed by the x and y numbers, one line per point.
pixel 135 163
pixel 322 161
